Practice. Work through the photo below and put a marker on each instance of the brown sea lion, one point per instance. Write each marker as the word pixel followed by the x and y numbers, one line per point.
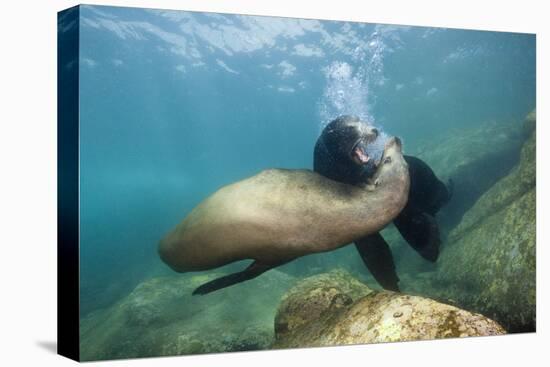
pixel 279 215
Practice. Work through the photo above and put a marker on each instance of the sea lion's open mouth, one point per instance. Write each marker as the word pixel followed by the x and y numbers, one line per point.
pixel 359 153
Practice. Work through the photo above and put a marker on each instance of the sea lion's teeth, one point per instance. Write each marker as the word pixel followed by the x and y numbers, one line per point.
pixel 363 158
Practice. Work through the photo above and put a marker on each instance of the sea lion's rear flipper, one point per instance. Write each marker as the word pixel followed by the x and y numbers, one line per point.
pixel 377 256
pixel 251 272
pixel 421 231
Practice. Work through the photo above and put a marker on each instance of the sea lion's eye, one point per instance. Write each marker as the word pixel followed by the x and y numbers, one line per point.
pixel 387 160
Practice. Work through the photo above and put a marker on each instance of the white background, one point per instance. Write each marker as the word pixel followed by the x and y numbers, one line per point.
pixel 28 182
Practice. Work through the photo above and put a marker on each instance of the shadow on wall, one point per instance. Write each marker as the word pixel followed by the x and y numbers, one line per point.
pixel 48 345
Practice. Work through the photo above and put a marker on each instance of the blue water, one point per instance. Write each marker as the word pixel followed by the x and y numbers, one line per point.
pixel 174 105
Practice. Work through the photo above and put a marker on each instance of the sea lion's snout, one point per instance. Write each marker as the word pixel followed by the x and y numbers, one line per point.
pixel 392 167
pixel 394 142
pixel 399 143
pixel 369 132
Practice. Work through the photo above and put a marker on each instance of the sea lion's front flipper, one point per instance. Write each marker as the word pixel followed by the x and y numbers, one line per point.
pixel 251 272
pixel 421 231
pixel 377 256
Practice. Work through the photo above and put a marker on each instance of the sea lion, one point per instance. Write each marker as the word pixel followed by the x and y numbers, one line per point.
pixel 348 151
pixel 279 215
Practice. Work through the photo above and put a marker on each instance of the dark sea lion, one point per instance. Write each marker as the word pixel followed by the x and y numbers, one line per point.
pixel 279 215
pixel 417 223
pixel 347 151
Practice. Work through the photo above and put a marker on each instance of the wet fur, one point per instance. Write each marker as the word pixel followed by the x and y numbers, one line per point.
pixel 279 215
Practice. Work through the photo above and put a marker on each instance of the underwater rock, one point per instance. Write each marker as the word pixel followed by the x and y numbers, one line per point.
pixel 315 295
pixel 489 265
pixel 314 313
pixel 474 158
pixel 161 317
